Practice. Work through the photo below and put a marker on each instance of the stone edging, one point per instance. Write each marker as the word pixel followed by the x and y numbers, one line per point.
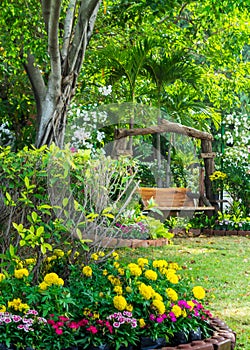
pixel 223 338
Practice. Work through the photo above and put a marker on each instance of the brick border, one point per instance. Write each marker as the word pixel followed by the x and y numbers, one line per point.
pixel 223 338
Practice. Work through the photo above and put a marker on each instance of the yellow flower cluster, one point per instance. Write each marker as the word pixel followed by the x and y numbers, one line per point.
pixel 30 261
pixel 198 292
pixel 171 276
pixel 218 175
pixel 151 275
pixel 20 273
pixel 2 308
pixel 51 279
pixel 146 291
pixel 120 302
pixel 87 271
pixel 142 262
pixel 159 306
pixel 118 290
pixel 160 263
pixel 2 277
pixel 135 269
pixel 17 305
pixel 176 309
pixel 171 293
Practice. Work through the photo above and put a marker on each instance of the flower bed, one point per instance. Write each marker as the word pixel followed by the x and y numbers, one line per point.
pixel 103 301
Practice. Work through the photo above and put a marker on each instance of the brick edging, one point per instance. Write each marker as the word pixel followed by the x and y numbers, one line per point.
pixel 223 338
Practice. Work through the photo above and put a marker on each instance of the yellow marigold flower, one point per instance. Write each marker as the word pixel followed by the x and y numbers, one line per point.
pixel 104 272
pixel 151 275
pixel 43 285
pixel 172 277
pixel 116 264
pixel 171 293
pixel 176 310
pixel 2 277
pixel 142 323
pixel 96 314
pixel 129 308
pixel 95 256
pixel 160 263
pixel 191 303
pixel 142 262
pixel 198 292
pixel 121 271
pixel 159 306
pixel 129 289
pixel 157 296
pixel 21 273
pixel 146 291
pixel 134 269
pixel 101 254
pixel 120 302
pixel 115 255
pixel 51 278
pixel 184 313
pixel 87 271
pixel 2 308
pixel 174 266
pixel 30 261
pixel 17 305
pixel 60 282
pixel 59 252
pixel 118 290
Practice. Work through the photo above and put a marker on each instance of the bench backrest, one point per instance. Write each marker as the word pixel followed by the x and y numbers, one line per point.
pixel 166 197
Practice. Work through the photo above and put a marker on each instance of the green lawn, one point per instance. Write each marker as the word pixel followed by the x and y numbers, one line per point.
pixel 222 266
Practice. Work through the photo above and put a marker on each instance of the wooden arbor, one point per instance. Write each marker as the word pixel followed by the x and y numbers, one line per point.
pixel 206 196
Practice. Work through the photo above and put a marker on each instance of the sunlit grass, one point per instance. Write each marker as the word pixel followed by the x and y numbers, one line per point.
pixel 222 266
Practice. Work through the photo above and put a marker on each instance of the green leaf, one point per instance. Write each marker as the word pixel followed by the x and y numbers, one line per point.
pixel 34 216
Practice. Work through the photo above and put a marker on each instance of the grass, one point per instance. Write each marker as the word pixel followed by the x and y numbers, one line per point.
pixel 222 266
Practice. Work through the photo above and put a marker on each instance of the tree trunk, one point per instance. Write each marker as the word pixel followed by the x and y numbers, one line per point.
pixel 66 57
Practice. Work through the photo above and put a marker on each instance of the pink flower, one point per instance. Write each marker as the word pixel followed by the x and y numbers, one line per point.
pixel 116 324
pixel 92 329
pixel 59 331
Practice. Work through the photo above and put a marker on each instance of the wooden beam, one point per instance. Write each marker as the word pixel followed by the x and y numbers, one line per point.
pixel 165 126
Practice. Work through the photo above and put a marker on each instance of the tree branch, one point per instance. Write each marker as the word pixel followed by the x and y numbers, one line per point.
pixel 84 27
pixel 68 25
pixel 36 81
pixel 46 5
pixel 54 84
pixel 165 126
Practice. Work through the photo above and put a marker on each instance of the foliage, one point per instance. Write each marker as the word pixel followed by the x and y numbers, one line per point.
pixel 50 195
pixel 109 302
pixel 234 159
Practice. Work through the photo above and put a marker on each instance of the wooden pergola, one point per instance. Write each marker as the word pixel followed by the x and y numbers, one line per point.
pixel 206 195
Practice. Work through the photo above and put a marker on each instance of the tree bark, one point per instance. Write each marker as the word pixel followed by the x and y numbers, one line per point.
pixel 53 98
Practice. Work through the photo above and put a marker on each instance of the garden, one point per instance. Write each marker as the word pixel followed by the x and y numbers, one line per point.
pixel 124 175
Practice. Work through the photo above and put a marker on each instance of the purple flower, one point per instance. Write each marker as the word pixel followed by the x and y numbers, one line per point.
pixel 152 317
pixel 116 324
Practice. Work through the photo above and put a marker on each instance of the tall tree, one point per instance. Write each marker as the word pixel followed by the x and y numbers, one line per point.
pixel 67 26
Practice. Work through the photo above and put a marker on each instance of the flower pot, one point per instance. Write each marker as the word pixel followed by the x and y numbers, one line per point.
pixel 179 338
pixel 149 343
pixel 195 334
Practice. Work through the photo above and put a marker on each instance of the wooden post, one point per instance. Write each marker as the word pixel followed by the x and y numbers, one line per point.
pixel 208 156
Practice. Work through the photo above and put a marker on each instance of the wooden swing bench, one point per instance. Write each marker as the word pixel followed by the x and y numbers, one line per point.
pixel 174 200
